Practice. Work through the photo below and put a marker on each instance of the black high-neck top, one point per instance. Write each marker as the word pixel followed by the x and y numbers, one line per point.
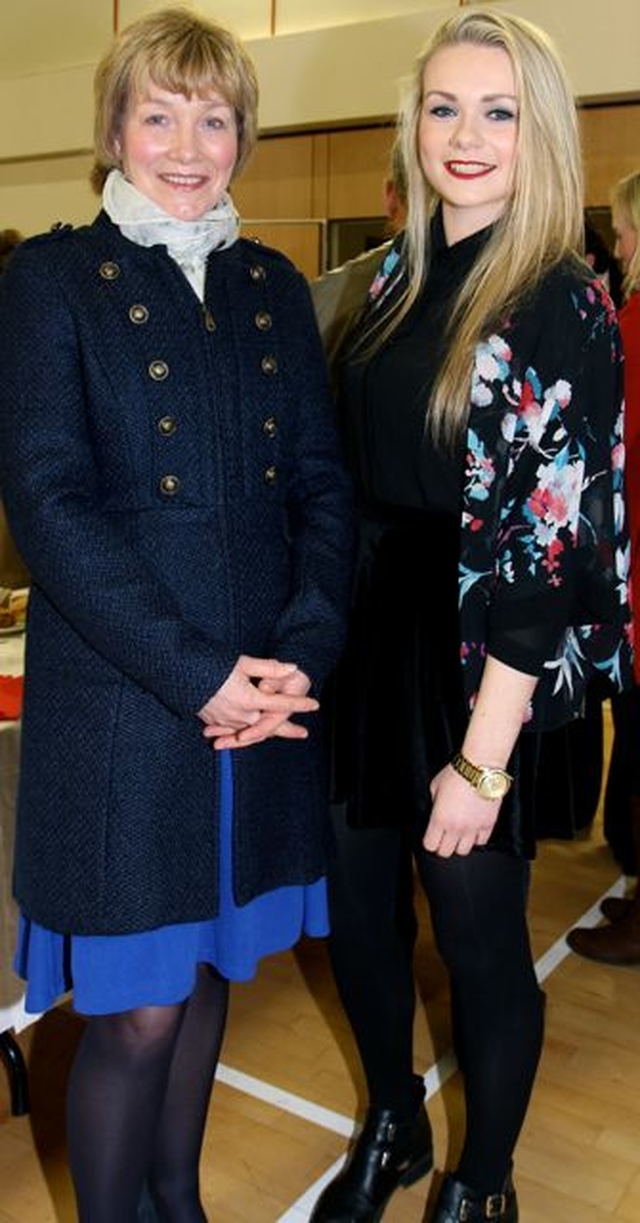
pixel 386 400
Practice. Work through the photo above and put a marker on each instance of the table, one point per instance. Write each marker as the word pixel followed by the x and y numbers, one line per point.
pixel 12 1012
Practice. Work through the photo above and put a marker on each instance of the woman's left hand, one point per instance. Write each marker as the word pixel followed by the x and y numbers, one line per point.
pixel 460 818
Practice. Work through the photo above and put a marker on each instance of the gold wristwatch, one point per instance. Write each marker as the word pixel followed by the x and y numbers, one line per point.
pixel 490 782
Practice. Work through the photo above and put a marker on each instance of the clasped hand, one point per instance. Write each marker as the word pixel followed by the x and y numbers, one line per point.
pixel 257 702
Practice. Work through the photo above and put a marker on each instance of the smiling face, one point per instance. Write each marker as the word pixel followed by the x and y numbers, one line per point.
pixel 468 134
pixel 179 152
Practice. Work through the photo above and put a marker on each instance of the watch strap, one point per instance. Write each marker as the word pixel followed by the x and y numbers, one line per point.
pixel 475 773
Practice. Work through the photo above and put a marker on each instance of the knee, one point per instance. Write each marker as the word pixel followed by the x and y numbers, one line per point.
pixel 145 1030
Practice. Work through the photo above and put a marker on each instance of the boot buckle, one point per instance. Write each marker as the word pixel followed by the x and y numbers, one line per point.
pixel 493 1207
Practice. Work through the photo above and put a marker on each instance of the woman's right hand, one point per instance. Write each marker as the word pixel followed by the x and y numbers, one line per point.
pixel 255 689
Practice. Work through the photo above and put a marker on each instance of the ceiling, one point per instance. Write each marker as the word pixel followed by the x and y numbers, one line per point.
pixel 41 35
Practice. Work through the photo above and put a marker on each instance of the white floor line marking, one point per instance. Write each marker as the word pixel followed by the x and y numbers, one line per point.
pixel 285 1100
pixel 561 949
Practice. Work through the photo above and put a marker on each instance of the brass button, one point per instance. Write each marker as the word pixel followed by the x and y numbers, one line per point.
pixel 167 425
pixel 271 475
pixel 257 272
pixel 264 321
pixel 109 270
pixel 169 486
pixel 209 321
pixel 138 313
pixel 158 370
pixel 269 365
pixel 270 426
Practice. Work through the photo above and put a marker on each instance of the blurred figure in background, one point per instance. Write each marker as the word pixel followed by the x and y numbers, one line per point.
pixel 619 943
pixel 13 571
pixel 339 296
pixel 9 240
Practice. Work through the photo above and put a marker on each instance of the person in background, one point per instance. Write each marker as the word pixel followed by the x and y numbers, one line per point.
pixel 619 943
pixel 340 294
pixel 481 405
pixel 13 572
pixel 172 472
pixel 9 240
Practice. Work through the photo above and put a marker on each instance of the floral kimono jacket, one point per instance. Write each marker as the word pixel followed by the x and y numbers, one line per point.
pixel 543 539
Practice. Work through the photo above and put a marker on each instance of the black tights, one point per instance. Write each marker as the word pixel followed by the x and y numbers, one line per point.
pixel 478 912
pixel 137 1106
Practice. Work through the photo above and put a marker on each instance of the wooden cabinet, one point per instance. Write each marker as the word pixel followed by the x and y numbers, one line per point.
pixel 278 182
pixel 302 241
pixel 611 147
pixel 325 175
pixel 358 163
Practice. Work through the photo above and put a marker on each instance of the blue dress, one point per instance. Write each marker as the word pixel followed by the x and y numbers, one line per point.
pixel 110 973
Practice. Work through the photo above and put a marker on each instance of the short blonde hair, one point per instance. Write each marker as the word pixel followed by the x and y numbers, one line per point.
pixel 179 51
pixel 626 199
pixel 543 220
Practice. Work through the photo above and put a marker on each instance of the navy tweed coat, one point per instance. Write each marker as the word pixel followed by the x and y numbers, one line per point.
pixel 173 479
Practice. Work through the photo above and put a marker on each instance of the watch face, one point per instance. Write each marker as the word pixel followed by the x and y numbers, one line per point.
pixel 493 784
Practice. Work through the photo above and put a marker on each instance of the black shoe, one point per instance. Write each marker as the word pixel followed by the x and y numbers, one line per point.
pixel 614 908
pixel 390 1151
pixel 458 1204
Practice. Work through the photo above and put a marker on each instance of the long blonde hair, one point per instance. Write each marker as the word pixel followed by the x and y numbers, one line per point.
pixel 181 52
pixel 626 198
pixel 542 222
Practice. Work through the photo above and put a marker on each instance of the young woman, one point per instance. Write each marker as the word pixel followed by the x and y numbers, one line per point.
pixel 171 471
pixel 481 403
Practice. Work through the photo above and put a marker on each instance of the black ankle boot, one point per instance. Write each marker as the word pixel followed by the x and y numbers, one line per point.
pixel 390 1151
pixel 458 1204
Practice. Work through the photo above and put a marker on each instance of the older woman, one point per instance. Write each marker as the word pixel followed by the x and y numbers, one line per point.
pixel 171 473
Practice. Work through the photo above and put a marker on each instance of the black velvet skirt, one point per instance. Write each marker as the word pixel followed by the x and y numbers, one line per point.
pixel 398 708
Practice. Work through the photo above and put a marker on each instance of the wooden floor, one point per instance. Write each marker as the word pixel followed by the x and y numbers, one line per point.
pixel 288 1086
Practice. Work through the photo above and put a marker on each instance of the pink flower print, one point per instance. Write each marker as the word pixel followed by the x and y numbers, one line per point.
pixel 553 506
pixel 618 456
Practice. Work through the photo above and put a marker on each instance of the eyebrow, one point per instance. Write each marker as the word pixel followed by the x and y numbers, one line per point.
pixel 487 97
pixel 215 103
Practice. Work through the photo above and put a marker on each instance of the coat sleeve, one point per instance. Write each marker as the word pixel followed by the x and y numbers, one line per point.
pixel 81 557
pixel 310 630
pixel 559 563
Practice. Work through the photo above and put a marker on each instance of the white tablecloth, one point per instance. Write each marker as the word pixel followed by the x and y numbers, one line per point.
pixel 12 1014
